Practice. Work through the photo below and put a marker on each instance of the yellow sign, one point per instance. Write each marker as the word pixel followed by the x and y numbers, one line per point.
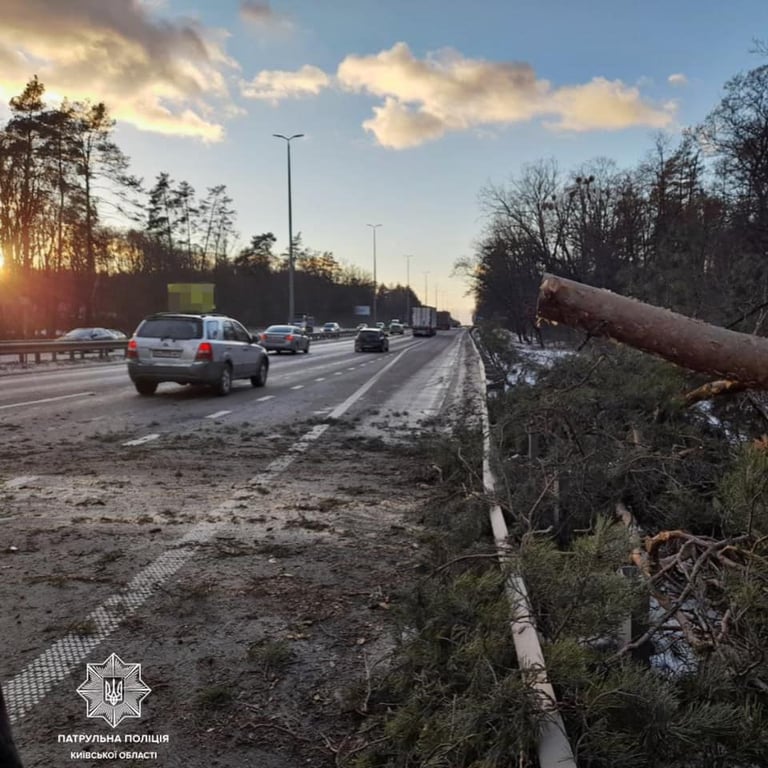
pixel 191 297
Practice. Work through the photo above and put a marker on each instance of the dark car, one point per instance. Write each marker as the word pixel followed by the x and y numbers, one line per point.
pixel 371 339
pixel 194 349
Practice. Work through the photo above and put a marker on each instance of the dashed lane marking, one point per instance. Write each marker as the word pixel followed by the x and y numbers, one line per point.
pixel 46 400
pixel 262 399
pixel 298 386
pixel 142 440
pixel 39 677
pixel 322 378
pixel 217 414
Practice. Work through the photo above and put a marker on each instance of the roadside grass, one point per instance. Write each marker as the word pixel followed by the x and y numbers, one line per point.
pixel 604 427
pixel 452 694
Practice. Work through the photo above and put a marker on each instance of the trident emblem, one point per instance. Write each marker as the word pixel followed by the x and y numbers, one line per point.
pixel 113 690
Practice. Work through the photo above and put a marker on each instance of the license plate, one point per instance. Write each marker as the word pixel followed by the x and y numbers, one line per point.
pixel 166 353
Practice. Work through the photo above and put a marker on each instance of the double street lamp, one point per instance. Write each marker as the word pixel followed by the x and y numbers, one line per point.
pixel 375 285
pixel 290 225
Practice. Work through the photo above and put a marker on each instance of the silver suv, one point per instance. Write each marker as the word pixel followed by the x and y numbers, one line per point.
pixel 208 349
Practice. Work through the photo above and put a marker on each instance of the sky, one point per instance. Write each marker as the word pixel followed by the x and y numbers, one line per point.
pixel 408 108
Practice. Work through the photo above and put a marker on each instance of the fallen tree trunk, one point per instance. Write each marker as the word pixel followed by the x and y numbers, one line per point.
pixel 692 344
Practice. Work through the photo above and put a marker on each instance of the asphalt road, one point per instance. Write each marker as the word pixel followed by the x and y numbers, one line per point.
pixel 113 504
pixel 99 399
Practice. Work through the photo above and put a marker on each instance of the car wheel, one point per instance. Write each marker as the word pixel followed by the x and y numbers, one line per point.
pixel 306 349
pixel 224 385
pixel 260 379
pixel 145 387
pixel 295 350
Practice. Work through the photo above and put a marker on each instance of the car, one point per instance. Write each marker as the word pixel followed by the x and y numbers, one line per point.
pixel 93 334
pixel 396 327
pixel 284 338
pixel 188 348
pixel 88 334
pixel 305 322
pixel 360 326
pixel 331 329
pixel 374 339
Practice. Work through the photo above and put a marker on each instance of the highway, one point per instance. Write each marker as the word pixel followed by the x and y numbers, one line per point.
pixel 121 513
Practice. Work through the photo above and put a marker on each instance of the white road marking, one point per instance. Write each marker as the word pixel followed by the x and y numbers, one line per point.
pixel 352 368
pixel 357 394
pixel 46 400
pixel 217 414
pixel 262 399
pixel 298 386
pixel 322 378
pixel 142 440
pixel 39 677
pixel 19 482
pixel 338 373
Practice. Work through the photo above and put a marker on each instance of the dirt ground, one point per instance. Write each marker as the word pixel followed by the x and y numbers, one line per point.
pixel 259 650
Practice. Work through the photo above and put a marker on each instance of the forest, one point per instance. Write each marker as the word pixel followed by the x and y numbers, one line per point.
pixel 686 229
pixel 85 242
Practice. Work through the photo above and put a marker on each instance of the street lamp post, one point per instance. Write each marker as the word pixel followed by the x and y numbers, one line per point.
pixel 426 289
pixel 407 319
pixel 375 285
pixel 291 307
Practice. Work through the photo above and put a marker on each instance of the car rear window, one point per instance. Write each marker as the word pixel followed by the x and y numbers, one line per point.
pixel 172 328
pixel 370 334
pixel 281 329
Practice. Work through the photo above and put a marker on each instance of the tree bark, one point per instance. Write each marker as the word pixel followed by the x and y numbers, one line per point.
pixel 692 344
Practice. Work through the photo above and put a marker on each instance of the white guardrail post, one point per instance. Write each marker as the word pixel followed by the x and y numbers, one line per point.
pixel 554 749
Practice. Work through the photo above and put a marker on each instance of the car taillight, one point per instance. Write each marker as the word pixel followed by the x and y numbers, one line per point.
pixel 204 351
pixel 289 337
pixel 132 350
pixel 263 336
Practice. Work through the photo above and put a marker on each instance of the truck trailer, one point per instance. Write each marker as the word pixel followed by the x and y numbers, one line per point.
pixel 443 321
pixel 424 321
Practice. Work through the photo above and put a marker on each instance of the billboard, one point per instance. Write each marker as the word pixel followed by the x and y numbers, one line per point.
pixel 363 311
pixel 191 297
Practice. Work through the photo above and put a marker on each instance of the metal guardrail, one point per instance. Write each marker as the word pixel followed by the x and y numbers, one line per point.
pixel 553 747
pixel 35 349
pixel 29 351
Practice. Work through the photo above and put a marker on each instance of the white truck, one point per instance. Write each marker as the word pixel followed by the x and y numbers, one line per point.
pixel 424 321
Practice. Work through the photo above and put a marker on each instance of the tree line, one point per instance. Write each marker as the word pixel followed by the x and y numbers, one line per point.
pixel 64 183
pixel 685 229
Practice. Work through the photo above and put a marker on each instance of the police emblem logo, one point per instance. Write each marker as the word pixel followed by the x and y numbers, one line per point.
pixel 113 690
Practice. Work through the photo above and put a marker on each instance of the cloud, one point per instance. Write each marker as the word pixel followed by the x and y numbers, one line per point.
pixel 262 15
pixel 160 75
pixel 274 85
pixel 425 99
pixel 677 79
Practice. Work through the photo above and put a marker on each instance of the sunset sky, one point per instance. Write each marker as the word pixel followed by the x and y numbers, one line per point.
pixel 409 107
